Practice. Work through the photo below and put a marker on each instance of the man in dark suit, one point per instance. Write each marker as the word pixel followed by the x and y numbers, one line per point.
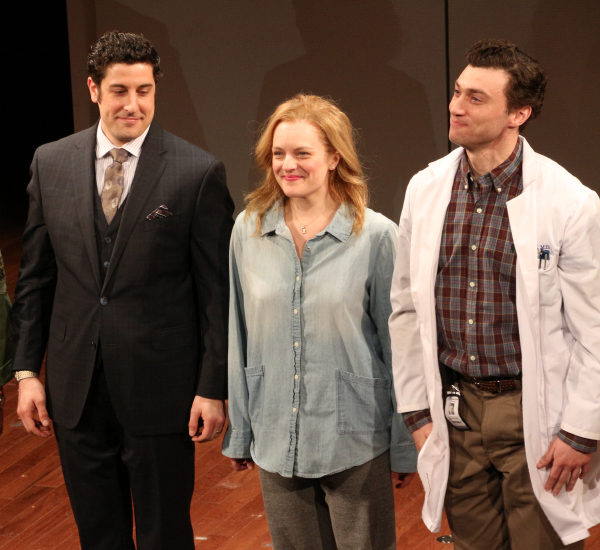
pixel 124 281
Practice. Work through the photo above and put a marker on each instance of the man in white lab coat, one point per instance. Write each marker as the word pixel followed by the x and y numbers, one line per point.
pixel 496 322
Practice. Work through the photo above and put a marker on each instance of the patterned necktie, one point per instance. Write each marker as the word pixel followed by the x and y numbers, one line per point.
pixel 113 183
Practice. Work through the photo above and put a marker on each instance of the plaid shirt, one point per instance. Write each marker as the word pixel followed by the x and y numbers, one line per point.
pixel 475 289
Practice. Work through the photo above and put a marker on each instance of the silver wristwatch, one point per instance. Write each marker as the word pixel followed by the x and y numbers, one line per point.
pixel 22 374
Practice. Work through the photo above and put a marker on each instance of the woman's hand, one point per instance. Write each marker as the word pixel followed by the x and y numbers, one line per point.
pixel 240 464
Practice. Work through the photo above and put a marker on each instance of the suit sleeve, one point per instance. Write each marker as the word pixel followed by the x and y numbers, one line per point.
pixel 407 350
pixel 34 295
pixel 579 272
pixel 211 231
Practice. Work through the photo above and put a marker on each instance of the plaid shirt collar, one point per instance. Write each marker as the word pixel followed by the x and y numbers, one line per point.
pixel 496 178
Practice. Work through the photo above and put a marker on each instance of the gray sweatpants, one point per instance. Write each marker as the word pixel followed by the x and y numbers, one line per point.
pixel 353 509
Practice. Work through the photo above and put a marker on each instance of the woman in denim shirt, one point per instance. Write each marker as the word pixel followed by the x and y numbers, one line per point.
pixel 310 373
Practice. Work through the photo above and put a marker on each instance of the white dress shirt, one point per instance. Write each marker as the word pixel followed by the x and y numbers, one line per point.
pixel 104 160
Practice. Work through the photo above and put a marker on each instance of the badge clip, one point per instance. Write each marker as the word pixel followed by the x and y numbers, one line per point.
pixel 451 409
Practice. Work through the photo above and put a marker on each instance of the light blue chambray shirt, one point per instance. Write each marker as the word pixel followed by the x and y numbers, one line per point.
pixel 310 366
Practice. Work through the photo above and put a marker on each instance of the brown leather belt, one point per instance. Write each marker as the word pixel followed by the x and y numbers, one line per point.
pixel 493 385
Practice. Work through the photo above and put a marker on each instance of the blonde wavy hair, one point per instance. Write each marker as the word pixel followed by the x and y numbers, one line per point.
pixel 347 182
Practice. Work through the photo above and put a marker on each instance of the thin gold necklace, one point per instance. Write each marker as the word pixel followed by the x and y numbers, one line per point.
pixel 303 226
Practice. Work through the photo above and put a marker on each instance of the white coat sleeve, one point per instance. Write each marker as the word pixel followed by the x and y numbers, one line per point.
pixel 579 273
pixel 407 350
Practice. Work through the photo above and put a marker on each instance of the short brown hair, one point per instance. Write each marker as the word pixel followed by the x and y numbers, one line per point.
pixel 121 47
pixel 347 182
pixel 527 80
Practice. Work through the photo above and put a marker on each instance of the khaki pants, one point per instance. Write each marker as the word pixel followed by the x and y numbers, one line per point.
pixel 490 502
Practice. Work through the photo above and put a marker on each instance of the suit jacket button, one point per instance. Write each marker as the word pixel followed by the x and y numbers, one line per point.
pixel 93 346
pixel 104 300
pixel 108 239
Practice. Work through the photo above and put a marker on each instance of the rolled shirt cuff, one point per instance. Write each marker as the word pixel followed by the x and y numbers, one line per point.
pixel 416 419
pixel 580 444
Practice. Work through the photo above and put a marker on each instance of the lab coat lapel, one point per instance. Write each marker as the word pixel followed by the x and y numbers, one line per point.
pixel 523 218
pixel 430 213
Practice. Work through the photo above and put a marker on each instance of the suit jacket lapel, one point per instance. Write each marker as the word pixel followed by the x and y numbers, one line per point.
pixel 150 167
pixel 84 176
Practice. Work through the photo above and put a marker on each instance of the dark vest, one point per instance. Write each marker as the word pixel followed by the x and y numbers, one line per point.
pixel 106 236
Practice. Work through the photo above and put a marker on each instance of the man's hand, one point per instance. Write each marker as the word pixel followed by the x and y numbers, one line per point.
pixel 568 465
pixel 240 464
pixel 401 480
pixel 31 408
pixel 213 416
pixel 421 435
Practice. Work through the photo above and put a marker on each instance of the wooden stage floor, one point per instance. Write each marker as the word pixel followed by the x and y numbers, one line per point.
pixel 227 508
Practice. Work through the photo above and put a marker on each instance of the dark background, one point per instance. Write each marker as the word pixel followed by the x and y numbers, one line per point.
pixel 228 63
pixel 37 106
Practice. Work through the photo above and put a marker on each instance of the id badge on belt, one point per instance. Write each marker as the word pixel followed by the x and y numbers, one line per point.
pixel 452 408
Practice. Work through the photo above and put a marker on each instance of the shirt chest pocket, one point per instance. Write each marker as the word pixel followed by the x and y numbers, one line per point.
pixel 364 405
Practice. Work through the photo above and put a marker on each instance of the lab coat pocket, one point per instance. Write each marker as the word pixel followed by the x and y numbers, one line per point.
pixel 555 373
pixel 364 405
pixel 255 382
pixel 549 282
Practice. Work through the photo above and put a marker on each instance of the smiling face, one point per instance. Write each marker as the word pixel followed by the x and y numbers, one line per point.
pixel 125 98
pixel 301 162
pixel 478 110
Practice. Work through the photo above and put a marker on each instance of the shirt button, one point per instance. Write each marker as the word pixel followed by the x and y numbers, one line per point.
pixel 294 409
pixel 297 278
pixel 472 358
pixel 473 247
pixel 466 186
pixel 108 240
pixel 479 210
pixel 296 344
pixel 104 300
pixel 499 189
pixel 93 345
pixel 471 284
pixel 295 377
pixel 308 247
pixel 106 264
pixel 470 321
pixel 295 312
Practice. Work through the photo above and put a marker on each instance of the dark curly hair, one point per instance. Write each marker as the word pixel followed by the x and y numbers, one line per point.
pixel 526 79
pixel 121 47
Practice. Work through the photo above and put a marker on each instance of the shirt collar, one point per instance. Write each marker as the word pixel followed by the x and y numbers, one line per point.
pixel 499 176
pixel 104 145
pixel 340 226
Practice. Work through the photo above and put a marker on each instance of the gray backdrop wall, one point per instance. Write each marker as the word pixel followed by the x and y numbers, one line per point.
pixel 389 63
